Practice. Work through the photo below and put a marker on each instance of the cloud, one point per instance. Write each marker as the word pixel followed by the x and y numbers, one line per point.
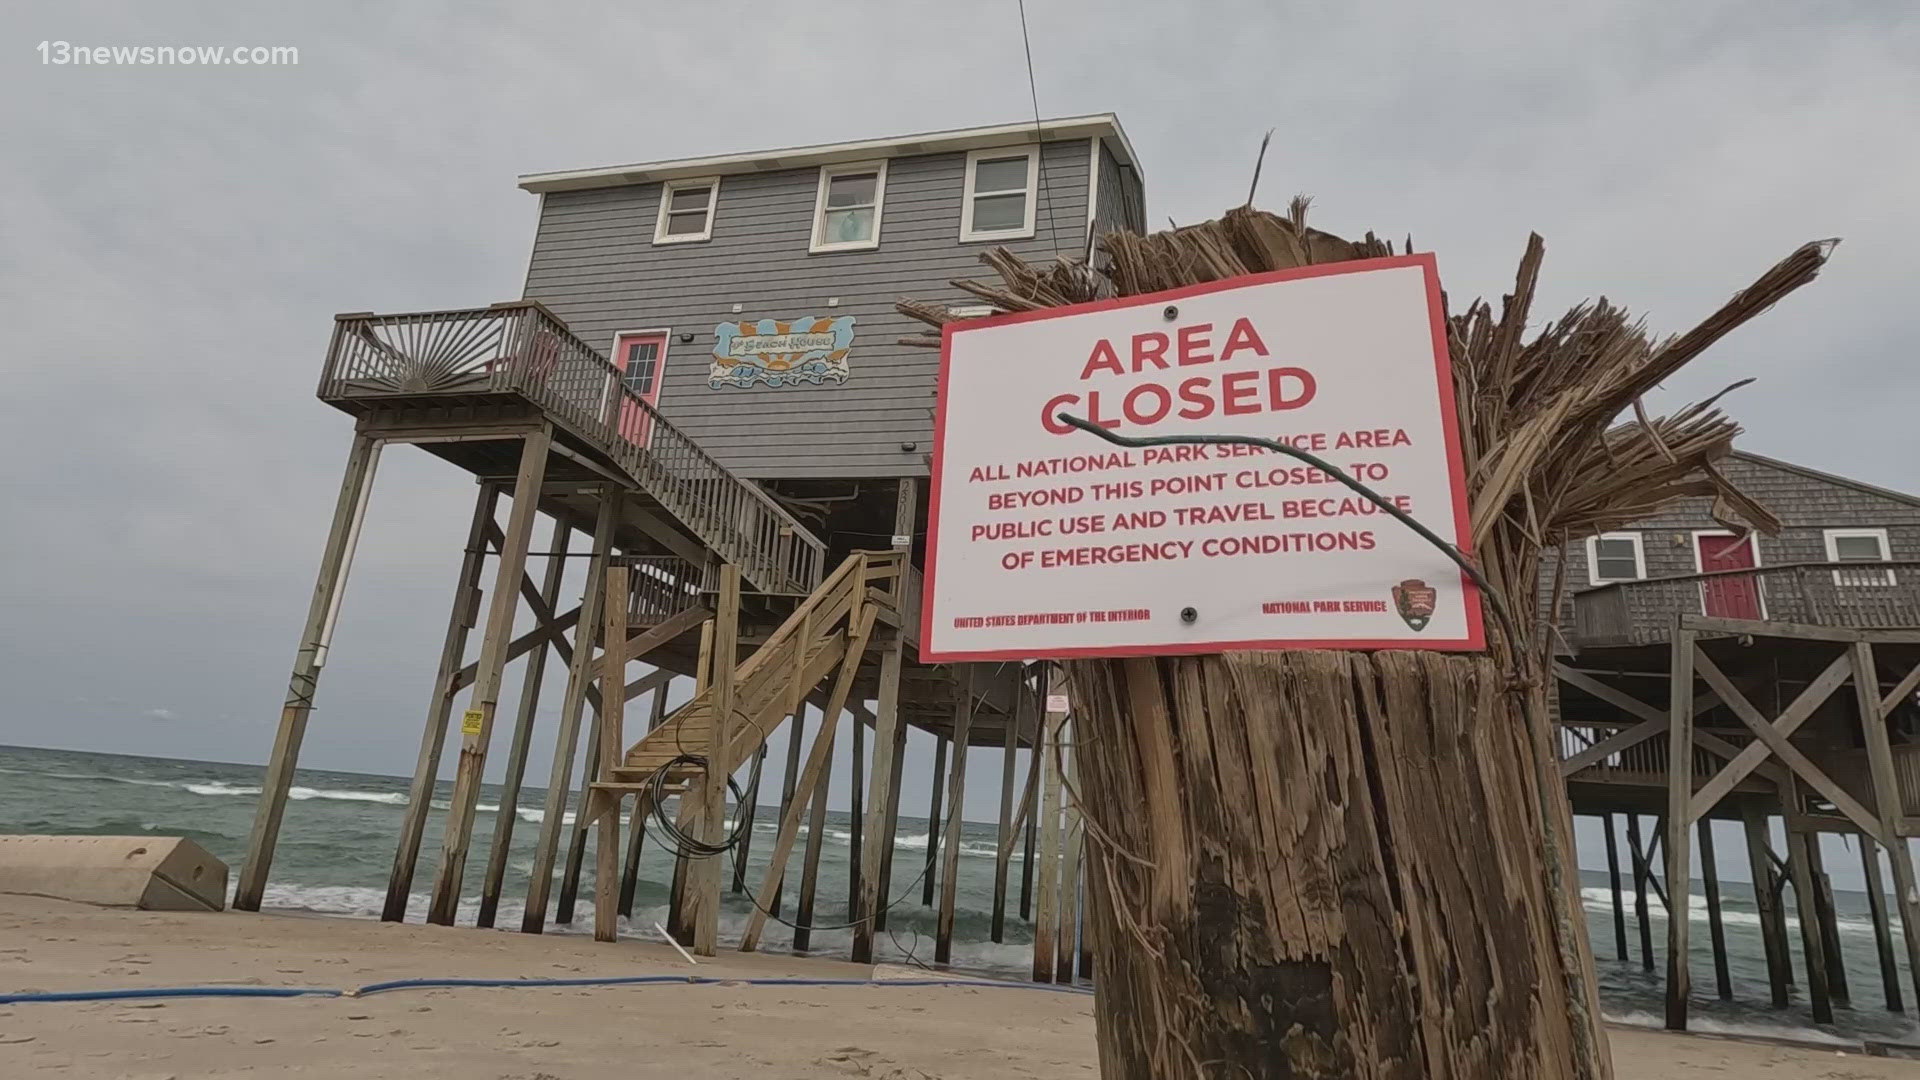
pixel 162 714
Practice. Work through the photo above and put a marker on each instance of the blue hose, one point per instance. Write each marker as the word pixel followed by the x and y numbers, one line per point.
pixel 172 992
pixel 424 984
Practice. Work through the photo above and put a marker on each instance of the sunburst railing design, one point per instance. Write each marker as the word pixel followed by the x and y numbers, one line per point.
pixel 524 349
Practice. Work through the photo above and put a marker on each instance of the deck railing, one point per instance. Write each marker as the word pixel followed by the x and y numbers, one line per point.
pixel 525 349
pixel 1861 595
pixel 662 586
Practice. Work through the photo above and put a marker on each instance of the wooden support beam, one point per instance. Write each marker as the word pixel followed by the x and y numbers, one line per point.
pixel 1030 809
pixel 934 822
pixel 957 791
pixel 605 812
pixel 691 805
pixel 1803 631
pixel 1882 927
pixel 869 896
pixel 856 812
pixel 705 895
pixel 1638 855
pixel 892 829
pixel 1837 982
pixel 637 825
pixel 811 794
pixel 1072 833
pixel 464 614
pixel 796 733
pixel 1776 740
pixel 1812 697
pixel 1766 900
pixel 1873 712
pixel 582 827
pixel 553 632
pixel 1613 881
pixel 1901 691
pixel 1800 862
pixel 508 815
pixel 476 725
pixel 349 510
pixel 1716 930
pixel 1046 911
pixel 1009 828
pixel 816 837
pixel 1679 822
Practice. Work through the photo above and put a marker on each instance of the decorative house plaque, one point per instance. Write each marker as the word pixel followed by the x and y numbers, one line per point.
pixel 781 352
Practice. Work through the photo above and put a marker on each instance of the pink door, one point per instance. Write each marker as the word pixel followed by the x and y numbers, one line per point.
pixel 638 356
pixel 1734 596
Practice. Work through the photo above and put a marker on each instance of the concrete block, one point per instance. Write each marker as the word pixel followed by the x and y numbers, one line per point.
pixel 155 873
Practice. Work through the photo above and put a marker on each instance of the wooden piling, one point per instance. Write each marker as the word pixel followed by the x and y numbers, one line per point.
pixel 704 907
pixel 957 791
pixel 856 812
pixel 1640 872
pixel 1837 983
pixel 1873 711
pixel 582 827
pixel 1009 828
pixel 803 907
pixel 1882 929
pixel 476 726
pixel 567 739
pixel 933 818
pixel 796 733
pixel 892 828
pixel 464 614
pixel 637 824
pixel 1072 835
pixel 1811 939
pixel 504 819
pixel 1046 909
pixel 739 858
pixel 1613 881
pixel 1031 810
pixel 613 703
pixel 869 898
pixel 1679 824
pixel 687 812
pixel 336 557
pixel 1766 902
pixel 1716 931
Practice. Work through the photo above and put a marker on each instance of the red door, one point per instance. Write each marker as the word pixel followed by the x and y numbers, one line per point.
pixel 638 356
pixel 1732 596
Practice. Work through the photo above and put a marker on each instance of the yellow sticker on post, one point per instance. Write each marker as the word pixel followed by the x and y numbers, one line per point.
pixel 470 723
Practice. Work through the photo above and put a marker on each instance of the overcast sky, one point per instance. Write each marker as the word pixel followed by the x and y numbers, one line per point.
pixel 175 240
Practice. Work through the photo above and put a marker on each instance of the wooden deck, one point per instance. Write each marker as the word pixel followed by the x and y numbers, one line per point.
pixel 1837 595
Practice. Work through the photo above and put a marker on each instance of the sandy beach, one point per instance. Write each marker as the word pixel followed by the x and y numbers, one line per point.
pixel 896 1032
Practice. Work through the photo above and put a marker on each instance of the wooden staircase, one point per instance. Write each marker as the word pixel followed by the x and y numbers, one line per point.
pixel 828 630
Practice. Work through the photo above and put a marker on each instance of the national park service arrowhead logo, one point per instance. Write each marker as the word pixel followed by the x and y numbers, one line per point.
pixel 1415 600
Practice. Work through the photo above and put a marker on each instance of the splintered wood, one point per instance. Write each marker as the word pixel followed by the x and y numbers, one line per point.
pixel 1322 864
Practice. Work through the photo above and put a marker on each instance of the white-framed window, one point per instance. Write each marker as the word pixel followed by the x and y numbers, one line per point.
pixel 1616 556
pixel 1859 545
pixel 846 209
pixel 686 210
pixel 999 196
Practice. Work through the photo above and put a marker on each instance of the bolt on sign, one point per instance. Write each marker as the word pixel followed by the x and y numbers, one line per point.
pixel 1048 541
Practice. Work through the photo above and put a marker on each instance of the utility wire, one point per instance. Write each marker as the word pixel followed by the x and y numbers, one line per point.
pixel 1039 151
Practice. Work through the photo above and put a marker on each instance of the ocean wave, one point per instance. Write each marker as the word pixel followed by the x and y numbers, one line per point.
pixel 1711 1025
pixel 1599 898
pixel 296 793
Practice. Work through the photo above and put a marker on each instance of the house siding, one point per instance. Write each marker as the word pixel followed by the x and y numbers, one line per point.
pixel 595 264
pixel 1806 505
pixel 1121 202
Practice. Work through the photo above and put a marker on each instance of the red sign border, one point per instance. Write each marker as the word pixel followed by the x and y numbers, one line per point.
pixel 1475 641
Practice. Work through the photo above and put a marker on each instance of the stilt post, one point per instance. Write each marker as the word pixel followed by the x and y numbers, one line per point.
pixel 1003 847
pixel 1882 929
pixel 939 786
pixel 605 812
pixel 508 815
pixel 433 737
pixel 957 790
pixel 1046 909
pixel 1837 983
pixel 1638 854
pixel 796 733
pixel 476 726
pixel 1716 931
pixel 1072 833
pixel 637 825
pixel 1613 881
pixel 1873 712
pixel 1766 901
pixel 892 827
pixel 336 558
pixel 704 911
pixel 1679 822
pixel 1800 862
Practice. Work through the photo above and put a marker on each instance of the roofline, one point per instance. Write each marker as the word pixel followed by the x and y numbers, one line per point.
pixel 1831 478
pixel 1104 126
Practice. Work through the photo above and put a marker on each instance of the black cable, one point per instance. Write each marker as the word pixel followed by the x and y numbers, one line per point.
pixel 1039 151
pixel 1487 591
